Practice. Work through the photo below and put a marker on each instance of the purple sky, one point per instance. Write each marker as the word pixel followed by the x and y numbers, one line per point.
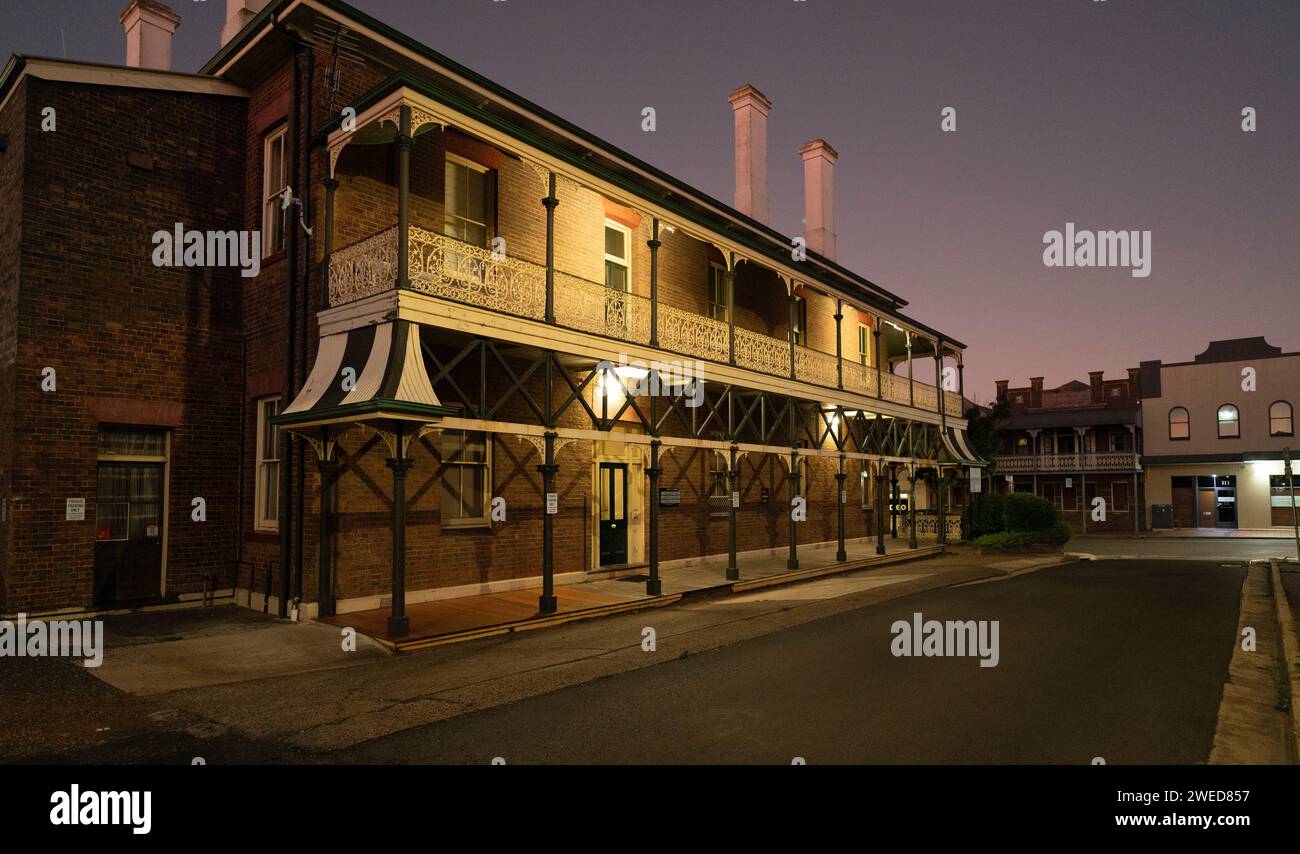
pixel 1111 115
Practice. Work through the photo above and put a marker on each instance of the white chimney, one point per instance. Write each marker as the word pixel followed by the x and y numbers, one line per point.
pixel 149 26
pixel 239 13
pixel 818 196
pixel 751 107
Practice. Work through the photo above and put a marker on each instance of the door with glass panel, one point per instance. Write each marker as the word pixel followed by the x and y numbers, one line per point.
pixel 618 278
pixel 130 515
pixel 613 513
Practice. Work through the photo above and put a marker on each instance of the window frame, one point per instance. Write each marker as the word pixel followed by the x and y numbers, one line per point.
pixel 801 321
pixel 718 277
pixel 626 262
pixel 261 521
pixel 484 521
pixel 864 345
pixel 1290 419
pixel 489 199
pixel 1219 422
pixel 271 204
pixel 1187 421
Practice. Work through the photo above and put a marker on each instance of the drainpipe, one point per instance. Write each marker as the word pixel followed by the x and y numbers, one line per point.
pixel 287 445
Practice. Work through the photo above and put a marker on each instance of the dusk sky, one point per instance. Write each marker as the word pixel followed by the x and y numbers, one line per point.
pixel 1111 115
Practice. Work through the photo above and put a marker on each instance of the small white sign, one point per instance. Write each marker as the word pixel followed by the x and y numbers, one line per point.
pixel 1069 483
pixel 735 499
pixel 844 496
pixel 976 485
pixel 552 503
pixel 76 511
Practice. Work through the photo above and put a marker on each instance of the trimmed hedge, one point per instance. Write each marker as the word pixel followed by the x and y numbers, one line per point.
pixel 1014 521
pixel 1024 512
pixel 983 515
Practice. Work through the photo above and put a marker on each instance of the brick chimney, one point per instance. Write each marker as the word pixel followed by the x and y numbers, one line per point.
pixel 1002 389
pixel 1094 380
pixel 1035 391
pixel 751 108
pixel 1134 383
pixel 239 13
pixel 818 196
pixel 149 26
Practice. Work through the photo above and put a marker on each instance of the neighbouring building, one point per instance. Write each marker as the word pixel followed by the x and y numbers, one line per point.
pixel 1074 444
pixel 1216 431
pixel 479 349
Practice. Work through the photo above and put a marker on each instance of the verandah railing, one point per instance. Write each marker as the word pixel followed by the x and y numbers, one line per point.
pixel 447 268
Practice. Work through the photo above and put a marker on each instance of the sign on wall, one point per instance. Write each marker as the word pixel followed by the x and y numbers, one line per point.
pixel 552 503
pixel 76 510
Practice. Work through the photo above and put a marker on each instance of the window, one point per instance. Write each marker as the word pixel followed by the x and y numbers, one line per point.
pixel 800 321
pixel 467 197
pixel 864 347
pixel 720 489
pixel 718 293
pixel 1280 421
pixel 266 490
pixel 274 180
pixel 465 480
pixel 1119 496
pixel 1180 424
pixel 1229 426
pixel 618 256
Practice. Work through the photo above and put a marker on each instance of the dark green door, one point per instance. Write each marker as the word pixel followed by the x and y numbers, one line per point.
pixel 613 513
pixel 128 532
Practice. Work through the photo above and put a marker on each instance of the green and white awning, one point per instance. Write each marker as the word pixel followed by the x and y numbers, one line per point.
pixel 372 375
pixel 954 442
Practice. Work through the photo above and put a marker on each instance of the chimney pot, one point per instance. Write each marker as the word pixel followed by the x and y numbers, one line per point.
pixel 818 196
pixel 149 26
pixel 751 108
pixel 238 14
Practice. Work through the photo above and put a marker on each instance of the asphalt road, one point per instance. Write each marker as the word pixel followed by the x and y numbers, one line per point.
pixel 1123 660
pixel 1185 548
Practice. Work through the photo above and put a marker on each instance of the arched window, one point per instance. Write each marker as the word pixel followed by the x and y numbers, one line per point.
pixel 1280 419
pixel 1229 422
pixel 1180 424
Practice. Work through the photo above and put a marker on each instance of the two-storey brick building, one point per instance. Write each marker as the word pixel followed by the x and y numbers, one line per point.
pixel 481 348
pixel 1074 444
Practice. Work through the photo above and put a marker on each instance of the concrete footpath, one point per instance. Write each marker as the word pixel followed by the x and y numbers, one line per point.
pixel 281 713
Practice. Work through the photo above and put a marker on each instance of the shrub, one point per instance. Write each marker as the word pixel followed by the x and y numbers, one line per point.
pixel 1057 535
pixel 983 515
pixel 1006 540
pixel 1024 512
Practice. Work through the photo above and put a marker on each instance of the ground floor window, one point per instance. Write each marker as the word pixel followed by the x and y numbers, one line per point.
pixel 1119 496
pixel 465 479
pixel 1279 499
pixel 266 489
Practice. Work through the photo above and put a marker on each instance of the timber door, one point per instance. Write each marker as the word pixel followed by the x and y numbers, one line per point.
pixel 1183 497
pixel 612 480
pixel 1206 508
pixel 128 532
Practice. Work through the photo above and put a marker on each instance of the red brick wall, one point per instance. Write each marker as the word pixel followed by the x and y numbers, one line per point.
pixel 13 124
pixel 93 306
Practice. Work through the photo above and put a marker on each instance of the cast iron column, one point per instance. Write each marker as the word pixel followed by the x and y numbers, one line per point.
pixel 794 319
pixel 547 604
pixel 398 624
pixel 654 245
pixel 403 197
pixel 839 344
pixel 550 203
pixel 328 469
pixel 880 508
pixel 911 507
pixel 729 278
pixel 840 555
pixel 330 186
pixel 793 561
pixel 733 477
pixel 911 387
pixel 653 587
pixel 880 383
pixel 942 531
pixel 893 502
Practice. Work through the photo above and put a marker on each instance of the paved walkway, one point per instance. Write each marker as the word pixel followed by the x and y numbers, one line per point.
pixel 445 620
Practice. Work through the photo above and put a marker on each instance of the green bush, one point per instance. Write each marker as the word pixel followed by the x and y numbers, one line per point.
pixel 983 515
pixel 1057 535
pixel 1024 512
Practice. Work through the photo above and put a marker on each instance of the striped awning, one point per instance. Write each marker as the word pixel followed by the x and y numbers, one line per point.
pixel 371 375
pixel 954 442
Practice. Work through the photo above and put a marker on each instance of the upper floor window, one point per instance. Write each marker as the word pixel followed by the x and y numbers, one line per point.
pixel 465 480
pixel 618 256
pixel 266 488
pixel 1281 419
pixel 1229 424
pixel 864 345
pixel 800 321
pixel 275 178
pixel 1180 424
pixel 467 201
pixel 718 293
